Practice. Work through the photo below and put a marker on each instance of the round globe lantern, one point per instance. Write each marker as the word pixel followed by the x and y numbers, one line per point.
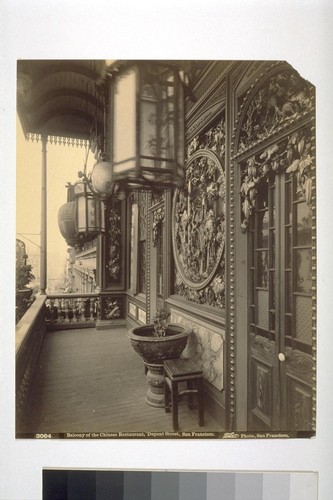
pixel 101 178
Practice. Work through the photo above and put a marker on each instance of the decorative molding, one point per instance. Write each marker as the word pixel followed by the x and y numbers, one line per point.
pixel 204 90
pixel 198 312
pixel 54 139
pixel 203 120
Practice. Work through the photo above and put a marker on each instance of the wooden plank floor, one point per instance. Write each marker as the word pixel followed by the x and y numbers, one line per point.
pixel 92 381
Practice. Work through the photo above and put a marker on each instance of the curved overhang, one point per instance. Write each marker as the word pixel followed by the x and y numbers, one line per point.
pixel 61 98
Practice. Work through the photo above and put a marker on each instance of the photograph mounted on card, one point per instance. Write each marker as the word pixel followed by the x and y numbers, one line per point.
pixel 171 290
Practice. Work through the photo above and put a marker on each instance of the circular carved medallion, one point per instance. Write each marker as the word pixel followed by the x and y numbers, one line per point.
pixel 198 220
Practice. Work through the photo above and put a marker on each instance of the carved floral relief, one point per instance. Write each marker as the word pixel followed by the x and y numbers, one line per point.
pixel 113 242
pixel 294 155
pixel 198 221
pixel 281 98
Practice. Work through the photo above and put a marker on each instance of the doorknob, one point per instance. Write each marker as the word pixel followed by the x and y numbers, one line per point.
pixel 281 356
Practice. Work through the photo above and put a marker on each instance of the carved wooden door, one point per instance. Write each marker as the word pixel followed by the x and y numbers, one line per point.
pixel 280 342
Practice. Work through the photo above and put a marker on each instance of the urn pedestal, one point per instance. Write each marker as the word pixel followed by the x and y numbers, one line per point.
pixel 154 351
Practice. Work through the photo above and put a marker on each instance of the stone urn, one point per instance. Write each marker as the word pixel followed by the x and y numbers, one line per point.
pixel 154 350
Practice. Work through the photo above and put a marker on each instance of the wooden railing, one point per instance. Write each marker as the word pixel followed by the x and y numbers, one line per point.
pixel 30 332
pixel 72 310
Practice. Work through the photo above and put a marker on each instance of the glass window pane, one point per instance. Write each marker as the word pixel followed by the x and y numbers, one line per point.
pixel 142 266
pixel 288 295
pixel 288 248
pixel 303 271
pixel 303 232
pixel 263 309
pixel 272 289
pixel 303 319
pixel 272 247
pixel 149 140
pixel 272 320
pixel 263 229
pixel 262 267
pixel 272 206
pixel 262 196
pixel 81 214
pixel 288 326
pixel 288 203
pixel 124 133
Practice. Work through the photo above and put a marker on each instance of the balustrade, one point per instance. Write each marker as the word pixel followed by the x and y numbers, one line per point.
pixel 72 308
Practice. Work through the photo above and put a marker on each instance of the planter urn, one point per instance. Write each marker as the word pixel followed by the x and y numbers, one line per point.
pixel 154 351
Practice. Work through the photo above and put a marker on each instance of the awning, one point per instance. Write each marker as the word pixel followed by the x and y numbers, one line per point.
pixel 61 98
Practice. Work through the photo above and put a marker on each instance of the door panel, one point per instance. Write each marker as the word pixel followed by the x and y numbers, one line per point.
pixel 280 259
pixel 261 413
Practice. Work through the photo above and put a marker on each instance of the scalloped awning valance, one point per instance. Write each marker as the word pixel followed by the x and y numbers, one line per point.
pixel 61 98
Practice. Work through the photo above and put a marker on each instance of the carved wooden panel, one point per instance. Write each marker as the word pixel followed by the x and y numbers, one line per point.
pixel 205 179
pixel 281 99
pixel 299 397
pixel 114 244
pixel 198 220
pixel 262 392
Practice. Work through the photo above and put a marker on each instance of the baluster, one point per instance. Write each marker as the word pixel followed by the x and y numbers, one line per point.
pixel 91 309
pixel 83 310
pixel 59 317
pixel 53 311
pixel 75 310
pixel 66 310
pixel 48 315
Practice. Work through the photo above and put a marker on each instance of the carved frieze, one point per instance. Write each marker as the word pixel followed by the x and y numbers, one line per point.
pixel 283 97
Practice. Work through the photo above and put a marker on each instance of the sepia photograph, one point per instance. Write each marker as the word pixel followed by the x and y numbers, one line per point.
pixel 166 269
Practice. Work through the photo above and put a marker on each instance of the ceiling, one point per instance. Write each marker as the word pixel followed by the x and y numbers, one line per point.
pixel 61 97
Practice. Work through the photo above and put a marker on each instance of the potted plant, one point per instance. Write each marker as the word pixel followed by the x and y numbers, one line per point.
pixel 155 343
pixel 23 294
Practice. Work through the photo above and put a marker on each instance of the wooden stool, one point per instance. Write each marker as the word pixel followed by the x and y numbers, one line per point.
pixel 182 370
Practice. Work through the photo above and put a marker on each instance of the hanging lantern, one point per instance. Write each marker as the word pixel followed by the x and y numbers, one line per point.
pixel 101 178
pixel 82 217
pixel 147 128
pixel 90 211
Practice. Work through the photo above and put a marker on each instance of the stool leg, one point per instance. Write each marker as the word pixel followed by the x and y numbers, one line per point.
pixel 200 401
pixel 174 396
pixel 190 395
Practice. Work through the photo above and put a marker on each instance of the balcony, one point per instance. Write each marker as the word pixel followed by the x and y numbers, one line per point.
pixel 72 377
